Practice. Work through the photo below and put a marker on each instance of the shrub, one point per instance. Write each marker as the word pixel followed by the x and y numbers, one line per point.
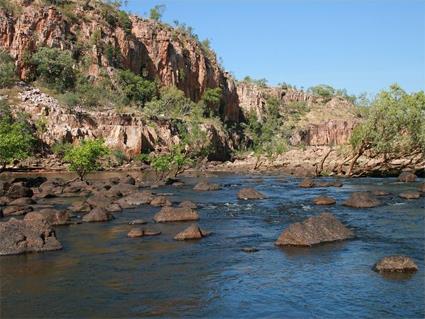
pixel 124 21
pixel 135 88
pixel 16 139
pixel 70 99
pixel 120 157
pixel 156 12
pixel 322 90
pixel 61 148
pixel 55 68
pixel 84 158
pixel 7 70
pixel 212 99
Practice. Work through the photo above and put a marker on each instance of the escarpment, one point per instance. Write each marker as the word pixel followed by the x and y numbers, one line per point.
pixel 146 47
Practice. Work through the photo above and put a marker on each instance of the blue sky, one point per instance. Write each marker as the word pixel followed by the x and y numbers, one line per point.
pixel 360 45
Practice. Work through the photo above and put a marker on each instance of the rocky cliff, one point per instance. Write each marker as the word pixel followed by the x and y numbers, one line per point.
pixel 147 47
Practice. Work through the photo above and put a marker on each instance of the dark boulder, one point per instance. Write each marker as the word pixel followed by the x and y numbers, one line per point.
pixel 192 232
pixel 22 236
pixel 30 181
pixel 128 180
pixel 314 230
pixel 98 215
pixel 361 200
pixel 324 200
pixel 407 177
pixel 19 190
pixel 4 186
pixel 250 193
pixel 205 186
pixel 249 249
pixel 395 264
pixel 175 214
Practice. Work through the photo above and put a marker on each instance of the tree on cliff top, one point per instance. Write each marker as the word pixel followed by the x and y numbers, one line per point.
pixel 84 158
pixel 156 12
pixel 395 125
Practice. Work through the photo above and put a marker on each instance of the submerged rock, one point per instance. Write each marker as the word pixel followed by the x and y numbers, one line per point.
pixel 138 222
pixel 395 264
pixel 205 186
pixel 22 236
pixel 140 232
pixel 410 195
pixel 249 249
pixel 314 230
pixel 361 200
pixel 192 232
pixel 329 184
pixel 250 193
pixel 175 214
pixel 306 183
pixel 97 215
pixel 324 200
pixel 379 192
pixel 407 177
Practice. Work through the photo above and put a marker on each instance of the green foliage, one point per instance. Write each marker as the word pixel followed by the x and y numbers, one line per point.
pixel 113 54
pixel 135 88
pixel 156 12
pixel 61 148
pixel 212 99
pixel 120 156
pixel 7 70
pixel 10 7
pixel 259 82
pixel 16 139
pixel 84 158
pixel 322 90
pixel 124 21
pixel 55 67
pixel 395 124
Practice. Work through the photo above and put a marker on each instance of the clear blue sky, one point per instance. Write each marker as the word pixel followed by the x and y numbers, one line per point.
pixel 360 45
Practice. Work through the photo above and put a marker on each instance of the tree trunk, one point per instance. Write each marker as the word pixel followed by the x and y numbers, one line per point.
pixel 353 162
pixel 322 162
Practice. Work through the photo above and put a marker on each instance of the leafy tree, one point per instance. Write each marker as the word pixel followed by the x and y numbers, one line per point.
pixel 394 126
pixel 135 88
pixel 84 158
pixel 212 99
pixel 322 90
pixel 7 70
pixel 16 139
pixel 55 67
pixel 156 12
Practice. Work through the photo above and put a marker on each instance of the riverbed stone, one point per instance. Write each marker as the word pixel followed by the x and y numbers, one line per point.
pixel 138 222
pixel 160 201
pixel 128 180
pixel 306 183
pixel 175 214
pixel 206 186
pixel 380 192
pixel 249 249
pixel 314 230
pixel 395 264
pixel 421 188
pixel 188 204
pixel 80 207
pixel 362 200
pixel 19 190
pixel 135 232
pixel 16 210
pixel 136 199
pixel 250 194
pixel 23 201
pixel 324 200
pixel 113 208
pixel 23 236
pixel 30 181
pixel 97 215
pixel 53 216
pixel 407 177
pixel 192 232
pixel 410 195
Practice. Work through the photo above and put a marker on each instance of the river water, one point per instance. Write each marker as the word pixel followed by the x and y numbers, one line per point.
pixel 101 273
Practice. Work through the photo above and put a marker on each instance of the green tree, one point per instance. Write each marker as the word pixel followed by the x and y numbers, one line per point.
pixel 322 90
pixel 16 139
pixel 84 158
pixel 394 125
pixel 135 88
pixel 7 70
pixel 55 67
pixel 156 12
pixel 212 99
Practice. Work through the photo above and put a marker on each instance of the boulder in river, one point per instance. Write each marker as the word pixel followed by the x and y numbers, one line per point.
pixel 205 186
pixel 175 214
pixel 250 193
pixel 52 216
pixel 314 230
pixel 324 200
pixel 306 183
pixel 410 195
pixel 16 210
pixel 192 232
pixel 334 183
pixel 23 201
pixel 19 190
pixel 395 264
pixel 188 204
pixel 140 232
pixel 380 192
pixel 80 207
pixel 160 201
pixel 361 200
pixel 137 222
pixel 22 236
pixel 407 177
pixel 421 188
pixel 97 215
pixel 136 199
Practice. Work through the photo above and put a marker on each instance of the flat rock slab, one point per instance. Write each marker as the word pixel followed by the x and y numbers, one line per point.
pixel 136 199
pixel 410 195
pixel 314 230
pixel 175 214
pixel 324 200
pixel 395 264
pixel 361 200
pixel 139 232
pixel 23 236
pixel 249 194
pixel 192 232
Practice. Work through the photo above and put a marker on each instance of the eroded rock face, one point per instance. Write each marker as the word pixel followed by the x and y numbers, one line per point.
pixel 249 194
pixel 192 232
pixel 175 214
pixel 314 230
pixel 362 200
pixel 23 236
pixel 395 264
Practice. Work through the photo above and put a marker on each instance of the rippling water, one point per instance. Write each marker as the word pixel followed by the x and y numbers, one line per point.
pixel 101 273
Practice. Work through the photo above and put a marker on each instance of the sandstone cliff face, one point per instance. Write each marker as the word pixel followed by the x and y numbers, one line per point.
pixel 154 50
pixel 130 133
